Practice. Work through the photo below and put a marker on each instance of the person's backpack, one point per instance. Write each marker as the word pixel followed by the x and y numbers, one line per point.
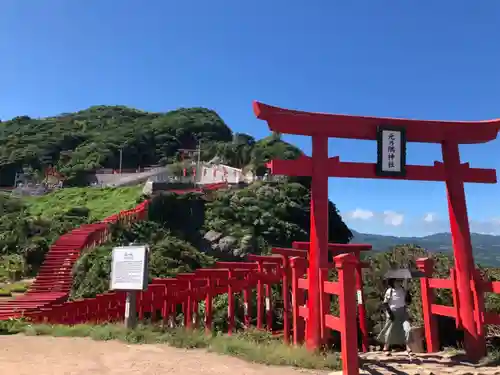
pixel 384 308
pixel 408 298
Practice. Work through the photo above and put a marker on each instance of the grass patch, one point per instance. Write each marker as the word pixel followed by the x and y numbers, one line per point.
pixel 19 289
pixel 253 346
pixel 5 293
pixel 492 359
pixel 102 202
pixel 16 287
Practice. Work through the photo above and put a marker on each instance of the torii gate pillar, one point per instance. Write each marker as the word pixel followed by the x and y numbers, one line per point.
pixel 462 246
pixel 318 253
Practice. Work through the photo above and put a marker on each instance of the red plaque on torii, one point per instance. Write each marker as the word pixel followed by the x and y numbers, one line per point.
pixel 450 134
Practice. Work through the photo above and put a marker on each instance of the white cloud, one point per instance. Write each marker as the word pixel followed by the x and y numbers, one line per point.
pixel 368 221
pixel 360 214
pixel 393 218
pixel 431 223
pixel 491 226
pixel 388 217
pixel 430 217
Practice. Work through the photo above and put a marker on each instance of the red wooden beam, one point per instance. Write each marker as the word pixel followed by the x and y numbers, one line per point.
pixel 186 276
pixel 361 127
pixel 337 168
pixel 211 272
pixel 271 260
pixel 289 252
pixel 335 247
pixel 236 265
pixel 168 281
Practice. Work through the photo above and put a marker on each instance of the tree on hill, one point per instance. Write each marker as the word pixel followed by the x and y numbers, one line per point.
pixel 80 142
pixel 25 239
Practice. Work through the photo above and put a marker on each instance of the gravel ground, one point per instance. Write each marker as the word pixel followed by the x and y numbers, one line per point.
pixel 27 355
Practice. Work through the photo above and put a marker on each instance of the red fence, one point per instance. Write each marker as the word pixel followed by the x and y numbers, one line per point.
pixel 479 286
pixel 163 297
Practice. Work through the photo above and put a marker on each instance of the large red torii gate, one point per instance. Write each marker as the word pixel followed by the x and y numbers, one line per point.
pixel 450 134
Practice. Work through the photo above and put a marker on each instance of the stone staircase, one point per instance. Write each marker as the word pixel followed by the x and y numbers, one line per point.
pixel 443 363
pixel 53 283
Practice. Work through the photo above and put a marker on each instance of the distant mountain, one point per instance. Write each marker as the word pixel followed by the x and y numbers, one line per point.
pixel 486 247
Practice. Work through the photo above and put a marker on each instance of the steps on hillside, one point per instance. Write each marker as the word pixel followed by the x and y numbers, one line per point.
pixel 55 286
pixel 54 279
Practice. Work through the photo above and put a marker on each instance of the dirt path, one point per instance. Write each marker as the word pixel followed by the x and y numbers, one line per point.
pixel 25 355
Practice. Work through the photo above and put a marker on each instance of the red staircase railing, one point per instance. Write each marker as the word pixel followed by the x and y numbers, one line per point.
pixel 53 282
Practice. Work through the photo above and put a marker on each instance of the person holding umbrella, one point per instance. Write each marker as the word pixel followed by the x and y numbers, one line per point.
pixel 397 328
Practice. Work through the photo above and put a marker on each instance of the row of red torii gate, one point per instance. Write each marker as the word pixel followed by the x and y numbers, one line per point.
pixel 392 136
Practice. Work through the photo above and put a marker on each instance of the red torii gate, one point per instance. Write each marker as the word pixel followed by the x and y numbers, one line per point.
pixel 450 134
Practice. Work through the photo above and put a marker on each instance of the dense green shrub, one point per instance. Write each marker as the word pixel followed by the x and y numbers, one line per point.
pixel 268 214
pixel 169 256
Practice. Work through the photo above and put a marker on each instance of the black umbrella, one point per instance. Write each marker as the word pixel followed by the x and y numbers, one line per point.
pixel 404 274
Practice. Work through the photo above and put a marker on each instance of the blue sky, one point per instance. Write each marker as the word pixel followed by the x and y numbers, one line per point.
pixel 425 59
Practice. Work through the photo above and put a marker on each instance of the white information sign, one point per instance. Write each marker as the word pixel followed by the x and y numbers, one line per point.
pixel 129 268
pixel 391 152
pixel 359 294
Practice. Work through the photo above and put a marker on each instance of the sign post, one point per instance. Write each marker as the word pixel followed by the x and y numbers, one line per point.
pixel 131 310
pixel 129 272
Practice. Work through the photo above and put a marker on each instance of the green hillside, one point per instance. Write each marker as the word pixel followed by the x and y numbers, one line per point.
pixel 100 202
pixel 77 143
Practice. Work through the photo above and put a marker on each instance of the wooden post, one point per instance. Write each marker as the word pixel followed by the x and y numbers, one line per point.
pixel 426 265
pixel 269 303
pixel 286 300
pixel 478 297
pixel 361 304
pixel 346 264
pixel 131 310
pixel 208 307
pixel 230 305
pixel 188 318
pixel 297 265
pixel 260 307
pixel 246 301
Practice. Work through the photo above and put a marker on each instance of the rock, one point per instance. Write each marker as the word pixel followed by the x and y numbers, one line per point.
pixel 227 244
pixel 212 236
pixel 238 252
